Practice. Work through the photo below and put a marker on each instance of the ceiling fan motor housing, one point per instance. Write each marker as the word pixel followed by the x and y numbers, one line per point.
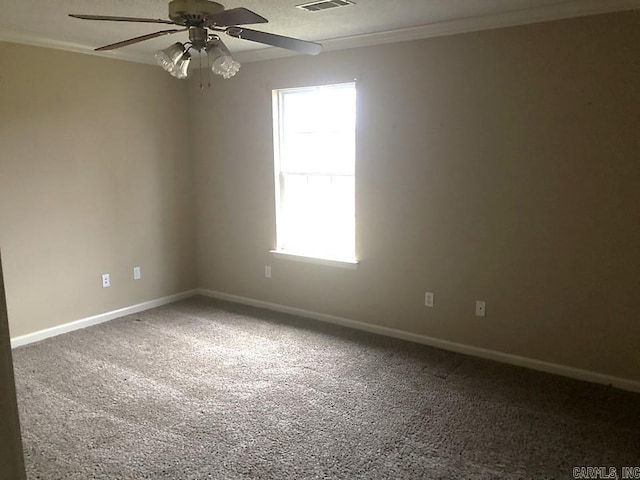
pixel 193 12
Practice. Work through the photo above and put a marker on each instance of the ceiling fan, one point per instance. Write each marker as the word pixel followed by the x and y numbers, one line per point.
pixel 202 18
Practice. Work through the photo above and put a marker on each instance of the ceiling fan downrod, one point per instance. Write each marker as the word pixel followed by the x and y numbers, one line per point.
pixel 194 12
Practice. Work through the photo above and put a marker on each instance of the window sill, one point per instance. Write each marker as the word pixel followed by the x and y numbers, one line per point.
pixel 350 263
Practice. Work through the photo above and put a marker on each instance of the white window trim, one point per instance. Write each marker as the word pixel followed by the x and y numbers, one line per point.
pixel 349 263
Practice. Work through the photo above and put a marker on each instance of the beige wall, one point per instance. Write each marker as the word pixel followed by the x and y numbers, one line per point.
pixel 501 165
pixel 95 178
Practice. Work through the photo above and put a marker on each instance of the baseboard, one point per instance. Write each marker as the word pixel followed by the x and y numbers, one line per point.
pixel 96 319
pixel 576 373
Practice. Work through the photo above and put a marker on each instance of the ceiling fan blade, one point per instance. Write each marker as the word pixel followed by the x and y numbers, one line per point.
pixel 138 39
pixel 121 19
pixel 289 43
pixel 236 16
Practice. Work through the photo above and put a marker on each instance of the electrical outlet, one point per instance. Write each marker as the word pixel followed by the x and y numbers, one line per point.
pixel 481 308
pixel 137 273
pixel 106 280
pixel 428 299
pixel 267 271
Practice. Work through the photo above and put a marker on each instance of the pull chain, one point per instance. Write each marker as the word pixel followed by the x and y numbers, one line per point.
pixel 209 69
pixel 200 70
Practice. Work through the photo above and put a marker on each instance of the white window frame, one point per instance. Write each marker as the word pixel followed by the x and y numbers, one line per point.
pixel 350 262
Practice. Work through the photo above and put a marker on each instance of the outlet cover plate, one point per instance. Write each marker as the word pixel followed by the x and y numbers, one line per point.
pixel 428 299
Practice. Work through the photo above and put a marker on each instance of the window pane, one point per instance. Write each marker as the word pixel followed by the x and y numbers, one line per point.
pixel 318 215
pixel 319 109
pixel 321 152
pixel 316 188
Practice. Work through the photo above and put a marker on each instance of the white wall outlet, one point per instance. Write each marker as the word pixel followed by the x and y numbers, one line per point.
pixel 481 308
pixel 137 273
pixel 267 271
pixel 106 280
pixel 428 299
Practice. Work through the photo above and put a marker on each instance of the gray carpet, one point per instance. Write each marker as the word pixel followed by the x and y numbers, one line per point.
pixel 203 389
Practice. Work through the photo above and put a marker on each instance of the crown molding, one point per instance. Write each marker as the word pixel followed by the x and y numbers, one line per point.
pixel 39 41
pixel 569 9
pixel 565 10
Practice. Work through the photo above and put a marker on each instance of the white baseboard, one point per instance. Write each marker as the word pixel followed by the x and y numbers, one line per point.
pixel 103 317
pixel 576 373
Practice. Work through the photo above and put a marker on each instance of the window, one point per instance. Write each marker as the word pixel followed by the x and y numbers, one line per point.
pixel 314 136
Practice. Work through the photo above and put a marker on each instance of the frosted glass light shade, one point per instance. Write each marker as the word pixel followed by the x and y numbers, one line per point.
pixel 182 66
pixel 170 57
pixel 222 64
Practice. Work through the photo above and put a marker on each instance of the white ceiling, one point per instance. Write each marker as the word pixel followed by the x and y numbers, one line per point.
pixel 46 23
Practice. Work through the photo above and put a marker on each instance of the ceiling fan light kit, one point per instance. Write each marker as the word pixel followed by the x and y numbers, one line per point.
pixel 201 18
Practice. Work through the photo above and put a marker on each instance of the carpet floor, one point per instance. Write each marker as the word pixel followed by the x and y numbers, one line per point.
pixel 203 389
